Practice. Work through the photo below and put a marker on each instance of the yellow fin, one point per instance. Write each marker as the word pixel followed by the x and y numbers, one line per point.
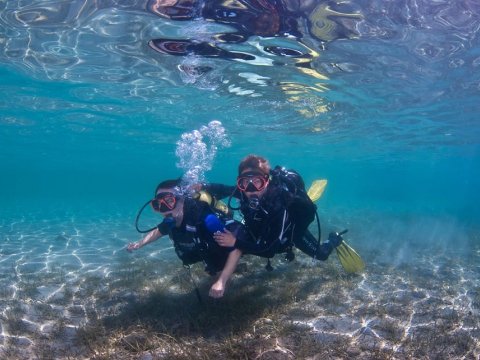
pixel 316 189
pixel 349 258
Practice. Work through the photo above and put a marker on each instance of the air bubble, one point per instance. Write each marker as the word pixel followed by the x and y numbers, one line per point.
pixel 196 150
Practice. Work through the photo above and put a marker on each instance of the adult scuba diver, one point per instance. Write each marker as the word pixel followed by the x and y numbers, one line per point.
pixel 187 220
pixel 277 212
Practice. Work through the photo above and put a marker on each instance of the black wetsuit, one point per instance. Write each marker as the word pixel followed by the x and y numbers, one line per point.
pixel 192 241
pixel 279 222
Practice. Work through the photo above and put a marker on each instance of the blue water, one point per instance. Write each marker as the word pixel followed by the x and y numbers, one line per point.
pixel 386 109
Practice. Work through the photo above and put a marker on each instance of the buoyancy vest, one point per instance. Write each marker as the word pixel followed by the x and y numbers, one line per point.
pixel 192 241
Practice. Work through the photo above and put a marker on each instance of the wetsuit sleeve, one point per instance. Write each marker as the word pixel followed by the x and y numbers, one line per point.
pixel 165 226
pixel 220 191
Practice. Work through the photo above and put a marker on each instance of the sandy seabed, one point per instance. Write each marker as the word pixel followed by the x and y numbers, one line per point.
pixel 59 303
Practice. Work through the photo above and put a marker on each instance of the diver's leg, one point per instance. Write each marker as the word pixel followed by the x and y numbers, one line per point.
pixel 309 245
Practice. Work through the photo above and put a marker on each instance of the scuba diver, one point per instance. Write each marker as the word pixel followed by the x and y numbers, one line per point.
pixel 190 220
pixel 277 212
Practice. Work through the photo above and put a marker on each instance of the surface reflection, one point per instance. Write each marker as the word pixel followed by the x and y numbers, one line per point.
pixel 324 21
pixel 260 32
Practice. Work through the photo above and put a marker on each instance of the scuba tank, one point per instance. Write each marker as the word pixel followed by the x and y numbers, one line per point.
pixel 217 205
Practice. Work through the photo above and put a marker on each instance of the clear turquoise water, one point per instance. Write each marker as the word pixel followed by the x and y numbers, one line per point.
pixel 90 117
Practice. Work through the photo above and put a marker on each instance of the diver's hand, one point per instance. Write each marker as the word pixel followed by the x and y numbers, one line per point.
pixel 217 290
pixel 335 239
pixel 225 238
pixel 133 246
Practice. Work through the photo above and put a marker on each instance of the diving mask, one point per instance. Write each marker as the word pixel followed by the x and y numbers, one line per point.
pixel 164 201
pixel 252 182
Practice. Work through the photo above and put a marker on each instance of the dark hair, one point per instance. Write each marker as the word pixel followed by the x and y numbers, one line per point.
pixel 167 184
pixel 254 162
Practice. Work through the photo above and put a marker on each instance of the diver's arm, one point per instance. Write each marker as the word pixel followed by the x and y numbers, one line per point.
pixel 162 229
pixel 242 241
pixel 218 288
pixel 228 239
pixel 150 237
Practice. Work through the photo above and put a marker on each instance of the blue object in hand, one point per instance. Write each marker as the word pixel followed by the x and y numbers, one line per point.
pixel 214 224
